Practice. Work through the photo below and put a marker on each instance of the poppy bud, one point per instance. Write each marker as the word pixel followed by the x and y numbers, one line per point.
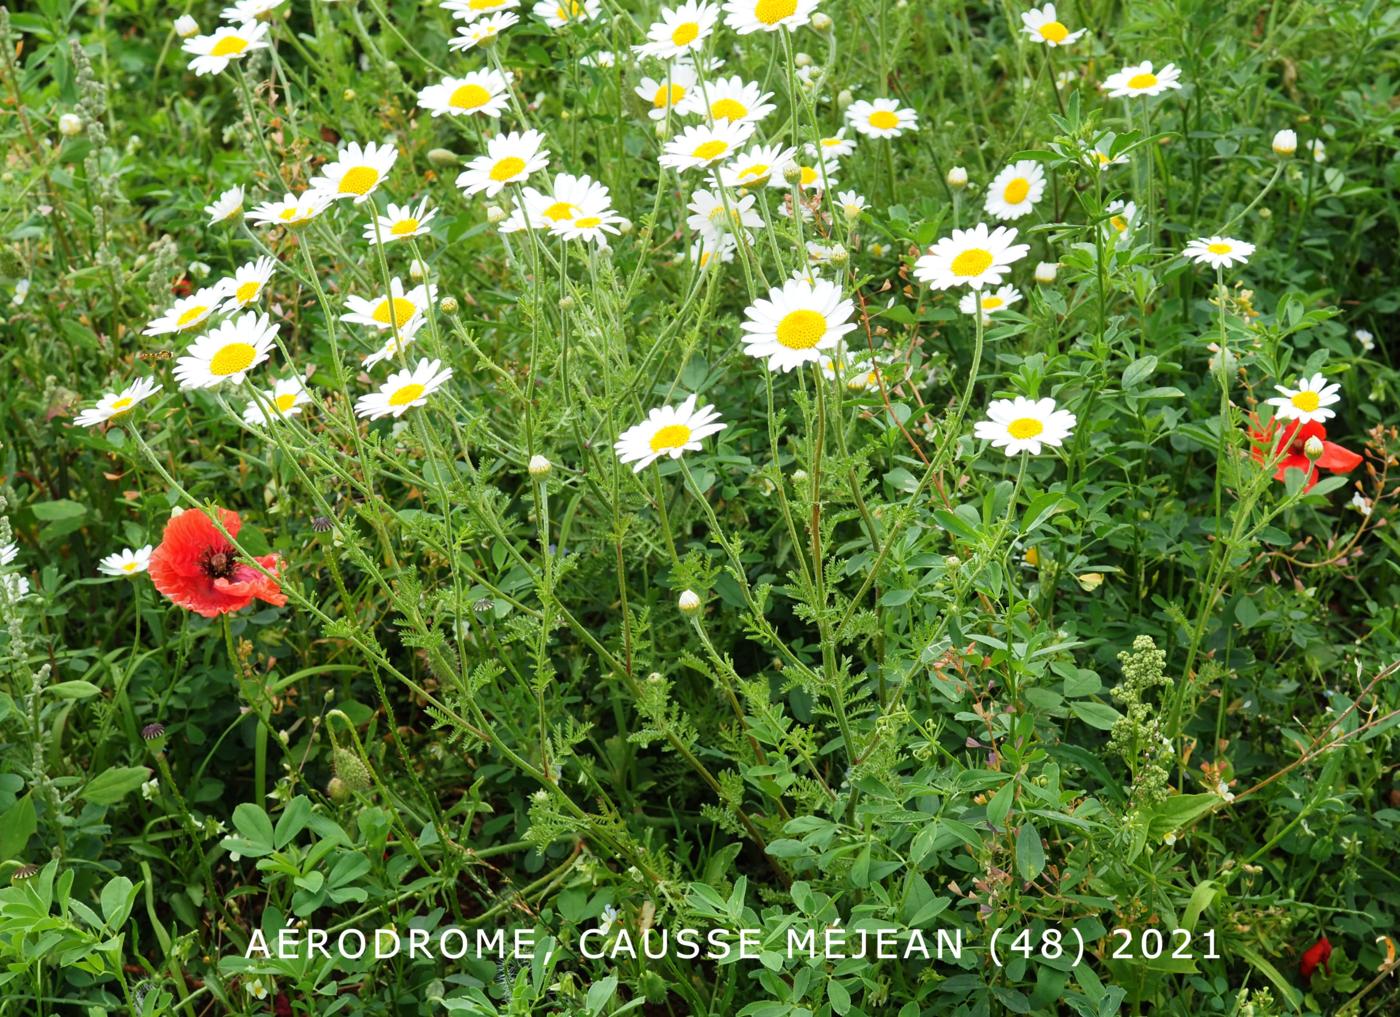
pixel 350 769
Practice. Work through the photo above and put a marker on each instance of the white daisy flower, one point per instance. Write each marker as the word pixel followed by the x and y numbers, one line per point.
pixel 399 308
pixel 837 146
pixel 667 431
pixel 559 14
pixel 1141 79
pixel 1015 190
pixel 975 257
pixel 127 562
pixel 705 250
pixel 509 159
pixel 732 99
pixel 1044 26
pixel 599 58
pixel 1024 425
pixel 681 30
pixel 745 16
pixel 481 30
pixel 356 172
pixel 227 353
pixel 114 404
pixel 1100 155
pixel 990 301
pixel 591 220
pixel 404 390
pixel 1122 216
pixel 188 312
pixel 226 206
pixel 291 211
pixel 568 196
pixel 852 204
pixel 668 92
pixel 1309 402
pixel 247 284
pixel 756 166
pixel 471 10
pixel 400 222
pixel 713 216
pixel 394 344
pixel 485 92
pixel 797 322
pixel 284 399
pixel 212 53
pixel 705 145
pixel 883 118
pixel 1218 252
pixel 244 11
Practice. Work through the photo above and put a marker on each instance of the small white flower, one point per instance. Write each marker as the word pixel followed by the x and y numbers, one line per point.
pixel 127 562
pixel 114 404
pixel 284 399
pixel 705 145
pixel 974 257
pixel 404 390
pixel 797 322
pixel 989 302
pixel 357 171
pixel 1024 425
pixel 509 159
pixel 1218 252
pixel 70 125
pixel 1141 79
pixel 399 223
pixel 667 431
pixel 150 789
pixel 1015 190
pixel 1309 402
pixel 882 118
pixel 1285 142
pixel 1361 503
pixel 957 178
pixel 1366 339
pixel 212 53
pixel 1318 148
pixel 1044 26
pixel 8 553
pixel 226 206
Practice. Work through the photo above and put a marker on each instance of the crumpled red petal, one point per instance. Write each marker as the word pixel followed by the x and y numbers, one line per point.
pixel 177 567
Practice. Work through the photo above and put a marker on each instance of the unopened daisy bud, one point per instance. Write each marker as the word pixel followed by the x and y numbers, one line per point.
pixel 539 467
pixel 660 129
pixel 442 157
pixel 844 98
pixel 70 124
pixel 792 173
pixel 1285 142
pixel 1265 213
pixel 957 178
pixel 838 255
pixel 803 60
pixel 952 561
pixel 624 227
pixel 417 269
pixel 495 214
pixel 821 22
pixel 348 767
pixel 1045 272
pixel 1312 448
pixel 566 303
pixel 689 602
pixel 448 305
pixel 186 26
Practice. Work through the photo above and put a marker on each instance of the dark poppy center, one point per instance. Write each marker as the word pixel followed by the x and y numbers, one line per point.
pixel 218 563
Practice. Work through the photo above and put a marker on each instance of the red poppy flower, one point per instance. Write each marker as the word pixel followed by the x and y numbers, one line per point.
pixel 1270 441
pixel 197 568
pixel 1319 953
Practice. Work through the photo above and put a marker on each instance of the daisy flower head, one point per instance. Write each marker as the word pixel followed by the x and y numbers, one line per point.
pixel 599 58
pixel 114 404
pixel 400 222
pixel 852 204
pixel 485 92
pixel 989 302
pixel 1101 157
pixel 883 118
pixel 667 93
pixel 394 344
pixel 667 431
pixel 568 196
pixel 244 11
pixel 1120 221
pixel 559 14
pixel 482 30
pixel 212 53
pixel 1310 402
pixel 708 249
pixel 1218 252
pixel 1024 425
pixel 1015 190
pixel 227 353
pixel 705 145
pixel 837 146
pixel 746 16
pixel 975 257
pixel 713 215
pixel 395 311
pixel 357 171
pixel 592 219
pixel 797 322
pixel 471 10
pixel 1141 79
pixel 126 562
pixel 226 206
pixel 188 312
pixel 757 165
pixel 681 30
pixel 247 284
pixel 291 211
pixel 404 390
pixel 509 159
pixel 732 99
pixel 284 399
pixel 1044 26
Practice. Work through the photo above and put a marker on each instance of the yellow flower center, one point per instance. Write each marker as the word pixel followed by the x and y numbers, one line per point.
pixel 229 45
pixel 507 168
pixel 191 316
pixel 285 401
pixel 660 100
pixel 770 12
pixel 121 405
pixel 360 180
pixel 973 261
pixel 685 34
pixel 1024 427
pixel 669 437
pixel 1102 157
pixel 559 210
pixel 287 214
pixel 1016 191
pixel 587 222
pixel 809 176
pixel 1144 80
pixel 247 291
pixel 1306 401
pixel 404 227
pixel 232 359
pixel 992 303
pixel 728 109
pixel 403 311
pixel 710 150
pixel 756 172
pixel 469 97
pixel 406 394
pixel 801 330
pixel 484 5
pixel 1218 248
pixel 704 258
pixel 128 566
pixel 1118 223
pixel 1053 31
pixel 832 142
pixel 884 120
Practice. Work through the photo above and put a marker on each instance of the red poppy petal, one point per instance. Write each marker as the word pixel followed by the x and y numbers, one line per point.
pixel 1338 459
